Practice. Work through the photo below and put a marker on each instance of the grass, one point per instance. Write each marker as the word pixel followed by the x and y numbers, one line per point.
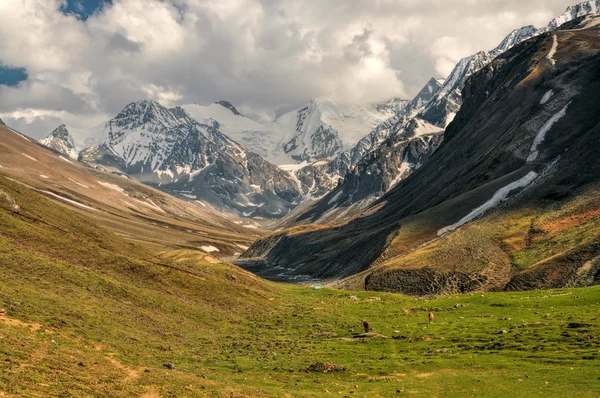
pixel 523 246
pixel 92 314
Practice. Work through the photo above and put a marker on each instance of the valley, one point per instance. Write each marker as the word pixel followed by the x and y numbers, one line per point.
pixel 110 316
pixel 441 245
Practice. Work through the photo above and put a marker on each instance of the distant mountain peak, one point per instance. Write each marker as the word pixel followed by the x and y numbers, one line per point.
pixel 229 105
pixel 61 140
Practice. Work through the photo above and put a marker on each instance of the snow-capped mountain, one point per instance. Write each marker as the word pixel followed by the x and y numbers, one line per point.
pixel 168 149
pixel 319 130
pixel 377 172
pixel 152 144
pixel 572 13
pixel 526 137
pixel 61 141
pixel 443 107
pixel 319 178
pixel 392 107
pixel 70 141
pixel 435 107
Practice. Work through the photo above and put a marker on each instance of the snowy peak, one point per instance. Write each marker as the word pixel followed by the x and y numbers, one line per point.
pixel 574 12
pixel 61 140
pixel 392 107
pixel 425 95
pixel 170 150
pixel 313 139
pixel 228 105
pixel 146 111
pixel 321 129
pixel 515 37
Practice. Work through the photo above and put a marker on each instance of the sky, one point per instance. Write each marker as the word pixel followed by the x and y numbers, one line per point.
pixel 79 62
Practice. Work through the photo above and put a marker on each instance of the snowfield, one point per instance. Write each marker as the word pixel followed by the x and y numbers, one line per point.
pixel 209 248
pixel 547 97
pixel 500 196
pixel 541 135
pixel 552 52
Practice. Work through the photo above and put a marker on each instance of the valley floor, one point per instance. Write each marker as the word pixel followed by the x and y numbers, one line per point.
pixel 85 312
pixel 495 344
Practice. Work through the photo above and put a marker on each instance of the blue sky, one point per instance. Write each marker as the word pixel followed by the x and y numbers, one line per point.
pixel 83 8
pixel 12 76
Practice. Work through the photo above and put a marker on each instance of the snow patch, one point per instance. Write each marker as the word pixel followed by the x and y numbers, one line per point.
pixel 547 97
pixel 111 186
pixel 65 159
pixel 294 167
pixel 209 248
pixel 78 183
pixel 242 246
pixel 500 196
pixel 193 174
pixel 164 172
pixel 335 197
pixel 44 177
pixel 194 197
pixel 449 119
pixel 552 52
pixel 404 169
pixel 250 226
pixel 69 200
pixel 539 138
pixel 27 156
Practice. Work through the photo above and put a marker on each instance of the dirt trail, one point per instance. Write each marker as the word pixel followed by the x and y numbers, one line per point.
pixel 15 322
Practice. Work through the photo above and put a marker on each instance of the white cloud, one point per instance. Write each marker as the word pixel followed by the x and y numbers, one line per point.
pixel 265 56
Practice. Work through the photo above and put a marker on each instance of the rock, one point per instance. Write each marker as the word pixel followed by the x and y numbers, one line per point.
pixel 2 311
pixel 577 325
pixel 169 365
pixel 325 367
pixel 353 298
pixel 370 335
pixel 503 332
pixel 458 305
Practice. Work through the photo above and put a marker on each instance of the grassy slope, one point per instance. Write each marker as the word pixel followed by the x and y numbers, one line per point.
pixel 514 245
pixel 120 204
pixel 91 314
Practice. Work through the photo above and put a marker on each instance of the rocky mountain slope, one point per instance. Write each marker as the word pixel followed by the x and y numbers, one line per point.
pixel 536 163
pixel 167 149
pixel 320 178
pixel 71 141
pixel 435 107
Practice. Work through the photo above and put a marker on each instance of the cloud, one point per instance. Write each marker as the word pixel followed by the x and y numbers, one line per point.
pixel 264 56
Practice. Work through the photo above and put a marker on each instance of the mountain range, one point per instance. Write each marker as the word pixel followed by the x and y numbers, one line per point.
pixel 392 152
pixel 338 158
pixel 193 151
pixel 507 201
